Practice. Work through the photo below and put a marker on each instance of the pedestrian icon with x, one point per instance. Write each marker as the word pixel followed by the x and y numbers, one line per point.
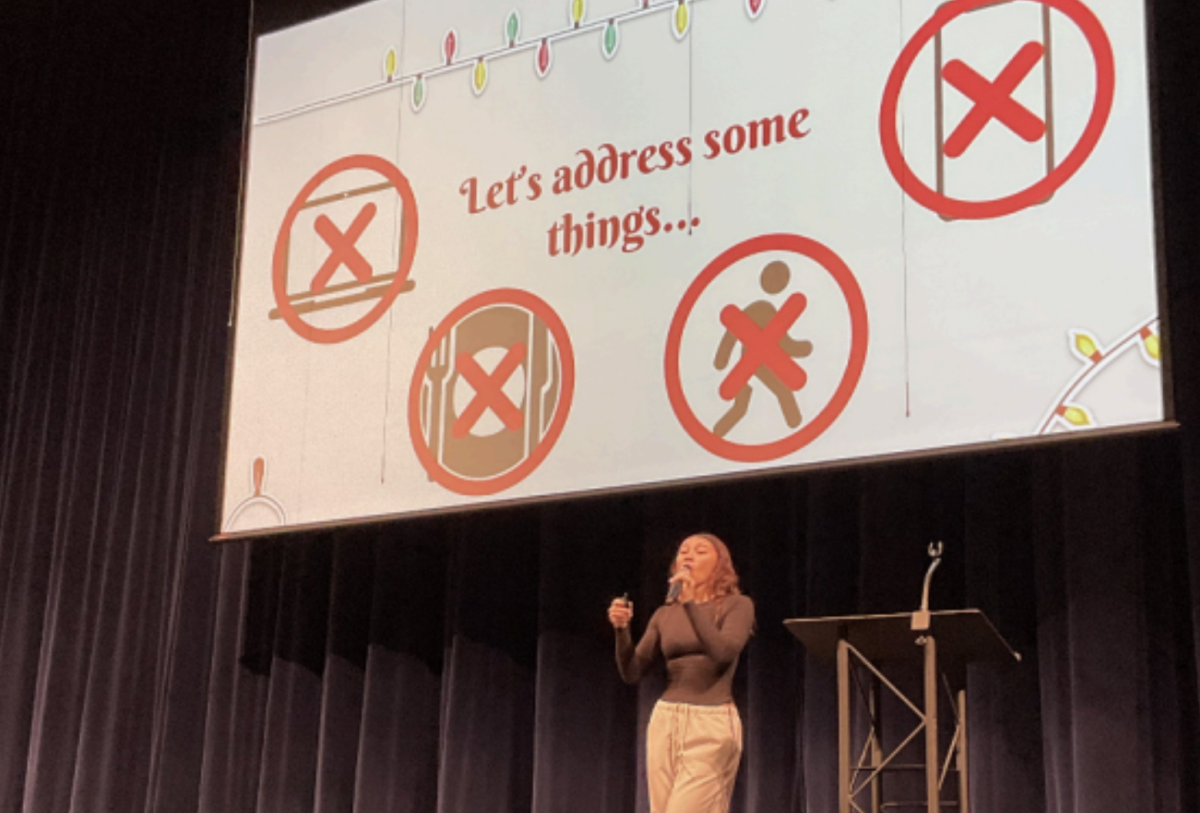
pixel 768 351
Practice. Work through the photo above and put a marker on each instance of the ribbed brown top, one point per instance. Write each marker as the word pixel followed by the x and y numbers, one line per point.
pixel 701 649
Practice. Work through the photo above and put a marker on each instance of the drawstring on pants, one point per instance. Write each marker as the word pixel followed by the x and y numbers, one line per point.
pixel 679 725
pixel 692 757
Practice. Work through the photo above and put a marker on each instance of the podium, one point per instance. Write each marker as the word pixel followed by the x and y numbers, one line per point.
pixel 865 648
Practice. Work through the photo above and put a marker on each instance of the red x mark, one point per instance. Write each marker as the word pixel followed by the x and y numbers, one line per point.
pixel 762 346
pixel 489 392
pixel 342 250
pixel 993 100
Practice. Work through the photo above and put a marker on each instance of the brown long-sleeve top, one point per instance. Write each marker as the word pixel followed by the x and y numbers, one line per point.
pixel 700 649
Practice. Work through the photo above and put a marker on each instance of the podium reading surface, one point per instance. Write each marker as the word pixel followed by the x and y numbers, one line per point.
pixel 944 643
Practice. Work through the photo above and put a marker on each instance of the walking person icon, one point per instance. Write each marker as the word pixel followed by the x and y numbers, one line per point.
pixel 767 351
pixel 771 345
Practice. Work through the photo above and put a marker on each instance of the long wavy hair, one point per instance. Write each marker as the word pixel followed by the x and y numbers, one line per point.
pixel 724 577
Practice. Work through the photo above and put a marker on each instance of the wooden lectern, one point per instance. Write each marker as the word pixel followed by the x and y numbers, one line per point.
pixel 870 645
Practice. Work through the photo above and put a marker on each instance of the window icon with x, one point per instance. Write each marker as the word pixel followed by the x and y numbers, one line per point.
pixel 993 100
pixel 994 63
pixel 993 91
pixel 344 250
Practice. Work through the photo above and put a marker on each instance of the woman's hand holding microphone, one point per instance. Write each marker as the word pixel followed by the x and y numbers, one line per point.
pixel 682 586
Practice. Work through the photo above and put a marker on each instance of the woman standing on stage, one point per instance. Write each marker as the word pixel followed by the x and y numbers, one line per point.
pixel 694 740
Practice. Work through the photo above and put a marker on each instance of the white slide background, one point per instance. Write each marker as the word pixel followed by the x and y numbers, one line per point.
pixel 1037 321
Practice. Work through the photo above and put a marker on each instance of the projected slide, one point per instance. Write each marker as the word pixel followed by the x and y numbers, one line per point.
pixel 496 251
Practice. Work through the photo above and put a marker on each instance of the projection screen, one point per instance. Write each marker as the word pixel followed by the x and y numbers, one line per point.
pixel 496 251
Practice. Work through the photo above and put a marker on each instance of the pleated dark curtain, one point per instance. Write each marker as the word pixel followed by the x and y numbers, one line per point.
pixel 119 152
pixel 463 664
pixel 466 665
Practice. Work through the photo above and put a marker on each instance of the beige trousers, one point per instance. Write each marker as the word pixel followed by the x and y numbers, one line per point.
pixel 692 755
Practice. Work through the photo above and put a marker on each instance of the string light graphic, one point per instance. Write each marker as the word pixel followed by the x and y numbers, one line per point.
pixel 1151 346
pixel 479 77
pixel 683 20
pixel 418 94
pixel 1066 412
pixel 1078 417
pixel 679 13
pixel 611 40
pixel 543 59
pixel 512 28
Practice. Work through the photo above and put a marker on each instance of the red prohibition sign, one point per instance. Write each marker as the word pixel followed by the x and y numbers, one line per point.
pixel 342 246
pixel 808 432
pixel 492 485
pixel 959 209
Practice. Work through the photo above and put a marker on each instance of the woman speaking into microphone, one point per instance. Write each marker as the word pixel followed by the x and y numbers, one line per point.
pixel 694 740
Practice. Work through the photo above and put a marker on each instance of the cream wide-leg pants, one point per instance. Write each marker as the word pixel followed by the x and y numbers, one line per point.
pixel 692 755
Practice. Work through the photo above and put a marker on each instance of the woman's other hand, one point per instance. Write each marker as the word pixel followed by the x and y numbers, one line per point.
pixel 620 613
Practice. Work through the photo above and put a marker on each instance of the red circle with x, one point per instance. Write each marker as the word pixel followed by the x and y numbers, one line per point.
pixel 807 433
pixel 991 100
pixel 342 249
pixel 489 392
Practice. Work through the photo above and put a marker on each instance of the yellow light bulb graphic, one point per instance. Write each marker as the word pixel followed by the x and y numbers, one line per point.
pixel 1152 345
pixel 577 10
pixel 391 64
pixel 480 77
pixel 1075 415
pixel 683 19
pixel 1086 346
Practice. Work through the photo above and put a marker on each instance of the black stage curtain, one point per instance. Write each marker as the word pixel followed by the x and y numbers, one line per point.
pixel 463 664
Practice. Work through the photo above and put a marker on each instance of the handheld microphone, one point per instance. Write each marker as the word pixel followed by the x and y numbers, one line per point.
pixel 676 588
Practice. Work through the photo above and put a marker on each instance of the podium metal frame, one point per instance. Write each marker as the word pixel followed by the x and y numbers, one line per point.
pixel 866 647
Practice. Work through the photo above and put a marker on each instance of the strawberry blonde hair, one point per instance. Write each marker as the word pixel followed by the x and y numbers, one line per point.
pixel 724 578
